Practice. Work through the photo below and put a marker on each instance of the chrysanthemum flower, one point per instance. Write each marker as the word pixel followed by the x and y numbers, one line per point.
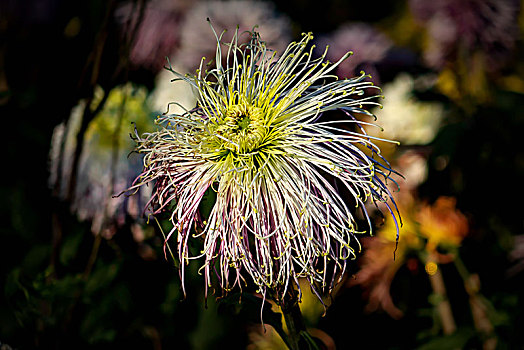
pixel 287 181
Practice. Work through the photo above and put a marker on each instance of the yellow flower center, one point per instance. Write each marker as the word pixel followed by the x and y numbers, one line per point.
pixel 242 128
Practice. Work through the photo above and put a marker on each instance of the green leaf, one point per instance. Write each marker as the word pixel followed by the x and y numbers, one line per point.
pixel 70 247
pixel 13 284
pixel 456 340
pixel 101 277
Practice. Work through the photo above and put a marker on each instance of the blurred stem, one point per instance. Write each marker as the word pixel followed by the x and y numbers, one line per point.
pixel 116 138
pixel 92 65
pixel 93 62
pixel 130 31
pixel 294 324
pixel 57 231
pixel 439 289
pixel 92 256
pixel 115 150
pixel 478 305
pixel 298 337
pixel 87 116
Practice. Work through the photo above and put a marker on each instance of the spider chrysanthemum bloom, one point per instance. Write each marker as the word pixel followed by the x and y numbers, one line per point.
pixel 256 138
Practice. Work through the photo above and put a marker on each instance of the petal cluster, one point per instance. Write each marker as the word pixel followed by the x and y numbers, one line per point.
pixel 290 183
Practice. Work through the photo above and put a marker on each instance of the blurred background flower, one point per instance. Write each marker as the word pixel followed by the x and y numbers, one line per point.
pixel 426 228
pixel 403 117
pixel 464 27
pixel 158 25
pixel 369 47
pixel 197 40
pixel 517 256
pixel 441 224
pixel 106 166
pixel 467 40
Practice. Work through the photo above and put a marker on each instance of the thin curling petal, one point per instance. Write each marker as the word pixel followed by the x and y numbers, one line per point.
pixel 287 183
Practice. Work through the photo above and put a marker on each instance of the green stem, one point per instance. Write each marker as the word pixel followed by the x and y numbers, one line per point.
pixel 298 338
pixel 294 325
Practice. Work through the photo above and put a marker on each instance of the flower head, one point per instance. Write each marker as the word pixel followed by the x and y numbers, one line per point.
pixel 257 138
